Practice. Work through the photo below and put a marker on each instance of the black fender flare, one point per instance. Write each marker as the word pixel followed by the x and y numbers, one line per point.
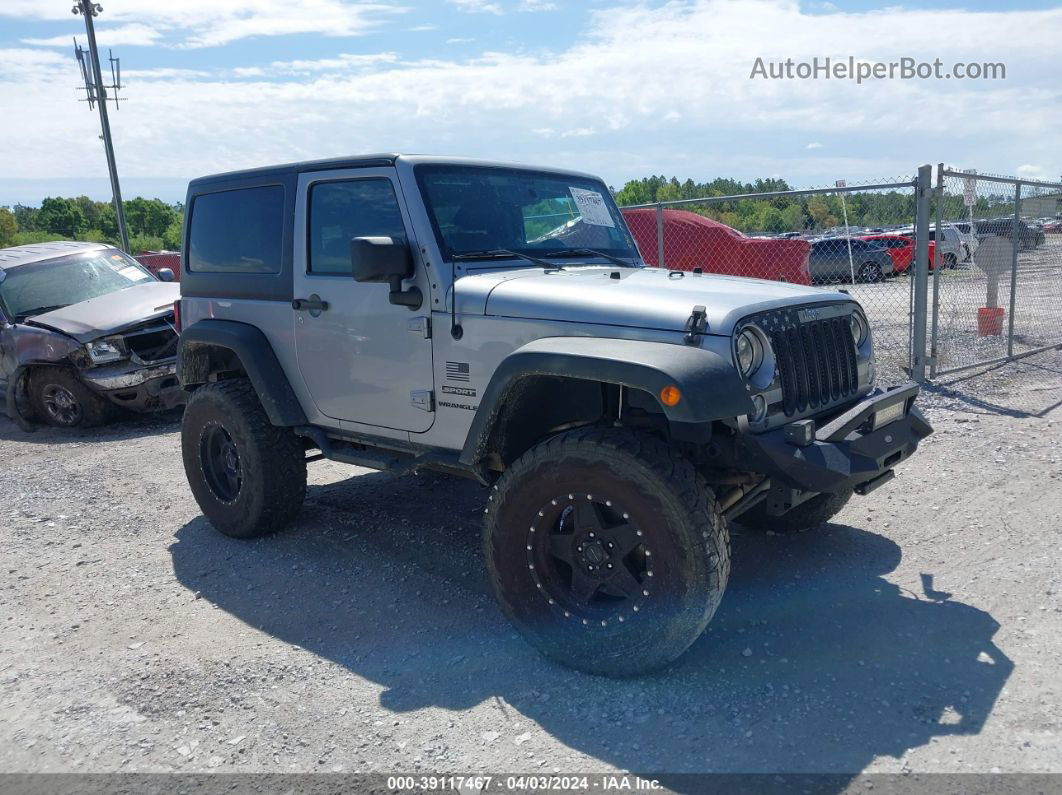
pixel 710 385
pixel 251 347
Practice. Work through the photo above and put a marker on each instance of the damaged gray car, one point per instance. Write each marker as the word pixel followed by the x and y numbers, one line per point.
pixel 84 330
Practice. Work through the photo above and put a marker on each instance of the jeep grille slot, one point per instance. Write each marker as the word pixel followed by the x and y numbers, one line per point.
pixel 816 362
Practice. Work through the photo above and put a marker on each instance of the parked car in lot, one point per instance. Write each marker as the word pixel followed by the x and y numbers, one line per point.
pixel 498 322
pixel 829 261
pixel 692 241
pixel 84 329
pixel 968 238
pixel 1027 237
pixel 900 248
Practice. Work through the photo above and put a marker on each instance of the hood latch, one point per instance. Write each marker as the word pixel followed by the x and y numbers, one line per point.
pixel 697 325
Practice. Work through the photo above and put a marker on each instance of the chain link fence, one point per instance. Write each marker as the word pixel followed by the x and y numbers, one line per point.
pixel 858 237
pixel 959 276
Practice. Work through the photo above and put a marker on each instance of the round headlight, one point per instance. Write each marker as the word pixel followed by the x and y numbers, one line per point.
pixel 749 352
pixel 859 328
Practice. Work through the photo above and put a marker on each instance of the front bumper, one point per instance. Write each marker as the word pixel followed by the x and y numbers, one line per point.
pixel 139 388
pixel 853 451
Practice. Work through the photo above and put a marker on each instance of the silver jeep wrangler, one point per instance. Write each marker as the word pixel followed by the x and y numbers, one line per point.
pixel 497 322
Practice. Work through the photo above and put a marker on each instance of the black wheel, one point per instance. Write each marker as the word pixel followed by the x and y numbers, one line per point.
pixel 606 550
pixel 950 260
pixel 815 512
pixel 248 476
pixel 60 399
pixel 869 272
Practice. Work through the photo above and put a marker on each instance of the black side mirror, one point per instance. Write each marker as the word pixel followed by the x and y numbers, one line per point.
pixel 385 259
pixel 166 275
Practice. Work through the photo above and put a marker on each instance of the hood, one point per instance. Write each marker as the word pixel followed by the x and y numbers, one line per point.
pixel 640 298
pixel 111 313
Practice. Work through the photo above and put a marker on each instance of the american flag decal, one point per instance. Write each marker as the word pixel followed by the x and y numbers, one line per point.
pixel 457 371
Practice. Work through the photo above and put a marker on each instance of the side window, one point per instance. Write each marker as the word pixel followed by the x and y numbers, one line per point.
pixel 237 231
pixel 340 211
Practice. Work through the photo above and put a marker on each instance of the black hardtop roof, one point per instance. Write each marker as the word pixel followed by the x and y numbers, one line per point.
pixel 358 161
pixel 381 160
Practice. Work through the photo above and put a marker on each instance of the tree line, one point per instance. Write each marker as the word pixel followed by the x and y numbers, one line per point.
pixel 152 223
pixel 795 213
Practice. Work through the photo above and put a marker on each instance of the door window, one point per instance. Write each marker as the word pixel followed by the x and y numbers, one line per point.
pixel 340 211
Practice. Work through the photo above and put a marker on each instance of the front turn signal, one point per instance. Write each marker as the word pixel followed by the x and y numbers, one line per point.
pixel 670 395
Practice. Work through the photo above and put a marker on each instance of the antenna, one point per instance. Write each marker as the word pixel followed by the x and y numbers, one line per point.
pixel 96 94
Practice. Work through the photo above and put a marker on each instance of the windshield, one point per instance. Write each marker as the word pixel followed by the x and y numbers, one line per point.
pixel 40 287
pixel 477 209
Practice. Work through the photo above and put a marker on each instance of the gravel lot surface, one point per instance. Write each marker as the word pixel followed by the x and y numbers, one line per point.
pixel 918 632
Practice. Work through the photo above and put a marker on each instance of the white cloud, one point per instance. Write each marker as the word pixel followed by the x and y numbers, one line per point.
pixel 206 23
pixel 537 5
pixel 422 28
pixel 663 88
pixel 814 145
pixel 459 40
pixel 1029 170
pixel 134 34
pixel 477 6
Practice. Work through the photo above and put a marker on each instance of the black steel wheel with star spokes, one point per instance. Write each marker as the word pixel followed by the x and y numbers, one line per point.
pixel 607 550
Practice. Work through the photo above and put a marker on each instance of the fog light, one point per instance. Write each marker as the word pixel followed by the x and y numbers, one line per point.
pixel 759 408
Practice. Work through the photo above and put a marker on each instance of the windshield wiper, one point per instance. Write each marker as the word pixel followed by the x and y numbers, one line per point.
pixel 587 252
pixel 494 253
pixel 40 310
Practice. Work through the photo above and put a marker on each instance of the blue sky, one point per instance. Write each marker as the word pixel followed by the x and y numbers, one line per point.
pixel 617 87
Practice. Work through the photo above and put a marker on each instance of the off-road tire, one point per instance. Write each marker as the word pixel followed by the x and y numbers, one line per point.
pixel 90 410
pixel 272 461
pixel 814 513
pixel 665 497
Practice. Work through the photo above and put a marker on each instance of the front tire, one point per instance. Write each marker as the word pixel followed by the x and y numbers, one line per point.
pixel 59 398
pixel 814 513
pixel 870 273
pixel 606 550
pixel 247 475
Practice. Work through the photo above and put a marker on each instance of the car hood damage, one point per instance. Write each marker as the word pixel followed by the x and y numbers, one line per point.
pixel 111 313
pixel 648 298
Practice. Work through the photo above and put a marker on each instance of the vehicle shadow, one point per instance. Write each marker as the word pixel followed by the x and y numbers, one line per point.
pixel 814 663
pixel 125 426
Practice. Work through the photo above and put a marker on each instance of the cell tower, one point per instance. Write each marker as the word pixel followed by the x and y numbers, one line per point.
pixel 97 94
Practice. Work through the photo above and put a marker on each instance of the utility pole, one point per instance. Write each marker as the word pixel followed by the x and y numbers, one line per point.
pixel 97 95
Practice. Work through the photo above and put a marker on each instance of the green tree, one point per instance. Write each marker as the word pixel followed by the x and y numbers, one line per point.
pixel 8 227
pixel 148 217
pixel 61 217
pixel 26 217
pixel 172 238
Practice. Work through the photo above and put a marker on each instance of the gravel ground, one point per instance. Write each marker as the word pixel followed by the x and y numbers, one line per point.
pixel 918 632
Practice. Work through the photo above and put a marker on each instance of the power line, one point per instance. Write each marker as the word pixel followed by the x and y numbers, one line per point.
pixel 97 96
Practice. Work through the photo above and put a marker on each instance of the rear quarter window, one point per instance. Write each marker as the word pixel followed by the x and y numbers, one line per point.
pixel 237 231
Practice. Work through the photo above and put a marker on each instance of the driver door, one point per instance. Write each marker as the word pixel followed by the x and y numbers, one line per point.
pixel 363 359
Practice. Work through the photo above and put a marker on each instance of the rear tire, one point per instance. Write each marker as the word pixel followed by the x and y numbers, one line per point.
pixel 606 550
pixel 814 513
pixel 59 398
pixel 870 272
pixel 247 475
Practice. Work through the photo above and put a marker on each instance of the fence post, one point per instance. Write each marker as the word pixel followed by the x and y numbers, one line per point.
pixel 659 235
pixel 923 191
pixel 1015 236
pixel 936 273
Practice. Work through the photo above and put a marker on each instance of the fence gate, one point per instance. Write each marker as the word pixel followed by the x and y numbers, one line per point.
pixel 996 278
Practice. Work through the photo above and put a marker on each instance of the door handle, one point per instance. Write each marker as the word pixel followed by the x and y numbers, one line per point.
pixel 312 304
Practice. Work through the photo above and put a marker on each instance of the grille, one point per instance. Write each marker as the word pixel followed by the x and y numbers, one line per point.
pixel 816 360
pixel 154 340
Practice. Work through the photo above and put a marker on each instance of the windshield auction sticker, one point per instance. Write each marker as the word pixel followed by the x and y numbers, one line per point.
pixel 592 207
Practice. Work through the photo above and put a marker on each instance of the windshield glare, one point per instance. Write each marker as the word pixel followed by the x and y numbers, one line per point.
pixel 67 280
pixel 478 209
